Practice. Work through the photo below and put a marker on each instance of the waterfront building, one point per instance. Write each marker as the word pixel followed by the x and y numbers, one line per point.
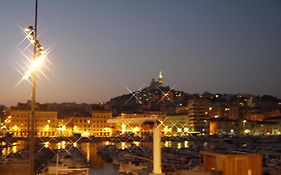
pixel 198 114
pixel 65 127
pixel 182 125
pixel 244 127
pixel 48 125
pixel 99 125
pixel 82 125
pixel 125 126
pixel 224 126
pixel 17 122
pixel 92 125
pixel 266 127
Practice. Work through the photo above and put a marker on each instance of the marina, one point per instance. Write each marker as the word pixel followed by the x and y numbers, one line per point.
pixel 112 157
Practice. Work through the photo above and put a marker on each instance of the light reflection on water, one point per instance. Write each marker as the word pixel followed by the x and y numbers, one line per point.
pixel 9 148
pixel 90 150
pixel 97 164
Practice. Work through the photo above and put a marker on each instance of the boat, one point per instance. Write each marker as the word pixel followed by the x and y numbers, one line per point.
pixel 67 162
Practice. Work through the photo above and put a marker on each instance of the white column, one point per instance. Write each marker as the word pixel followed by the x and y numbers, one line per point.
pixel 249 172
pixel 157 150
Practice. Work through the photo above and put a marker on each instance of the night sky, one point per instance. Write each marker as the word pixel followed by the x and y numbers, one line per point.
pixel 100 46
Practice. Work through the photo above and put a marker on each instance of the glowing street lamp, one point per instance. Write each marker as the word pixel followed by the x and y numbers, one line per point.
pixel 36 63
pixel 39 56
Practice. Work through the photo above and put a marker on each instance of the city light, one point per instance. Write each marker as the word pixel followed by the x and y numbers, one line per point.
pixel 123 128
pixel 85 134
pixel 123 145
pixel 179 130
pixel 63 144
pixel 46 144
pixel 179 146
pixel 135 130
pixel 186 144
pixel 46 128
pixel 136 143
pixel 149 128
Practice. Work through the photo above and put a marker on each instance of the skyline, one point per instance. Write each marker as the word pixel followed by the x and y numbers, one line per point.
pixel 100 46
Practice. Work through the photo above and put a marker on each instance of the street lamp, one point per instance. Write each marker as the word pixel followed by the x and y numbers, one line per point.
pixel 39 54
pixel 30 73
pixel 38 59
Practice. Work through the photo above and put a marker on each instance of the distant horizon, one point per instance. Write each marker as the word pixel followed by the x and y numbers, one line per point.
pixel 103 49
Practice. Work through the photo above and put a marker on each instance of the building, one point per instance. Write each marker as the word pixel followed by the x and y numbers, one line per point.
pixel 224 111
pixel 182 125
pixel 181 109
pixel 244 127
pixel 156 84
pixel 45 121
pixel 82 125
pixel 224 126
pixel 65 127
pixel 229 163
pixel 93 125
pixel 126 123
pixel 198 115
pixel 48 125
pixel 99 125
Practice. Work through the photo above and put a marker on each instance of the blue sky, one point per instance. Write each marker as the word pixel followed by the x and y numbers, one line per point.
pixel 101 45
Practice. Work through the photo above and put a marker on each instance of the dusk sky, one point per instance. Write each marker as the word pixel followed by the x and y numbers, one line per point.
pixel 218 46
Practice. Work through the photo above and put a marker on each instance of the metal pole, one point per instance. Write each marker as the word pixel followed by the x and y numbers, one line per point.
pixel 33 130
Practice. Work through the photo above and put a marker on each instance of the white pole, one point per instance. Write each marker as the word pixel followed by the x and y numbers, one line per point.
pixel 157 150
pixel 249 172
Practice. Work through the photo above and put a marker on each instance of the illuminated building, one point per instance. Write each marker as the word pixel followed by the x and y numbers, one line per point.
pixel 94 125
pixel 99 125
pixel 244 127
pixel 46 123
pixel 137 128
pixel 224 111
pixel 160 79
pixel 198 115
pixel 156 84
pixel 180 125
pixel 82 125
pixel 224 126
pixel 65 127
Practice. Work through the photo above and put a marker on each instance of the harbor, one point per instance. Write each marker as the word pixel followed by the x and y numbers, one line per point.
pixel 182 156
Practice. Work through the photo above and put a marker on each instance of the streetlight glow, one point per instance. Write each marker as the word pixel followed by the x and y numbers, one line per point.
pixel 38 59
pixel 36 64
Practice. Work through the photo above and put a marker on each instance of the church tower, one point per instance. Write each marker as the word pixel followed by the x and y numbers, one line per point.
pixel 160 79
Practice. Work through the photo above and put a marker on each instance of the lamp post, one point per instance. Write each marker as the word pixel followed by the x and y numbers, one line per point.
pixel 37 61
pixel 33 39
